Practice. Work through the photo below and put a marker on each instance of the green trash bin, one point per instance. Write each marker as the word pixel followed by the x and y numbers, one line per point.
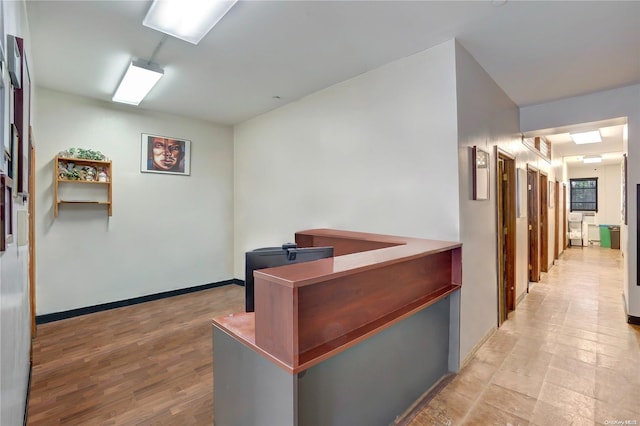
pixel 614 232
pixel 605 236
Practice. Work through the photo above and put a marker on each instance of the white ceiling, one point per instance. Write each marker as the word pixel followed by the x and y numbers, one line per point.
pixel 536 51
pixel 612 133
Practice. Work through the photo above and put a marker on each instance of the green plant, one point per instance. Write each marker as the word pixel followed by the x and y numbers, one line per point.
pixel 86 154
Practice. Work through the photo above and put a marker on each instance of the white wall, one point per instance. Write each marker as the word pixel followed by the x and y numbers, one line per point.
pixel 15 318
pixel 621 102
pixel 486 118
pixel 167 232
pixel 376 153
pixel 608 190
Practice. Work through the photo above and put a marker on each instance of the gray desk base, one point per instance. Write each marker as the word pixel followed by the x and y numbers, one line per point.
pixel 369 384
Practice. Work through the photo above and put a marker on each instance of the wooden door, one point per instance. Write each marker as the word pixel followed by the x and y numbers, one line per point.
pixel 533 214
pixel 565 242
pixel 502 281
pixel 556 204
pixel 544 223
pixel 506 214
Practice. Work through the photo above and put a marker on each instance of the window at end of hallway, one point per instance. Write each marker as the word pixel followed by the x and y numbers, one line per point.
pixel 584 194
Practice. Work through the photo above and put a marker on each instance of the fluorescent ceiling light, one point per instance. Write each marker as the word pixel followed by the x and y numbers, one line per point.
pixel 586 137
pixel 137 82
pixel 188 20
pixel 589 159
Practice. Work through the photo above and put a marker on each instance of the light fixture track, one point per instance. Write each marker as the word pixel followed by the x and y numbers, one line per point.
pixel 155 51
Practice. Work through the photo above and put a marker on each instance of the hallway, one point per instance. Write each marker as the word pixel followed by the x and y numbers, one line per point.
pixel 565 356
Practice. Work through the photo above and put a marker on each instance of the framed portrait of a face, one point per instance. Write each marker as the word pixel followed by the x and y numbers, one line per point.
pixel 165 154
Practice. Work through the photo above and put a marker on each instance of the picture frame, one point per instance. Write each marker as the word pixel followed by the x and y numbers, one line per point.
pixel 4 88
pixel 6 211
pixel 2 32
pixel 14 61
pixel 24 123
pixel 623 189
pixel 15 140
pixel 480 172
pixel 165 154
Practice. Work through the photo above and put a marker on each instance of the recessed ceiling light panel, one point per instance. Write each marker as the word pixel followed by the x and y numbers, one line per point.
pixel 586 137
pixel 188 20
pixel 591 159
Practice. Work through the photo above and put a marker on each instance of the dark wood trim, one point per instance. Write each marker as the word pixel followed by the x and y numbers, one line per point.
pixel 6 211
pixel 511 235
pixel 32 234
pixel 57 316
pixel 625 187
pixel 533 221
pixel 556 213
pixel 543 190
pixel 506 216
pixel 633 320
pixel 22 119
pixel 505 154
pixel 565 241
pixel 500 238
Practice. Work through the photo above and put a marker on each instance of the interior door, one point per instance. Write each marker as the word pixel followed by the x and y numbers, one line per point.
pixel 502 244
pixel 506 228
pixel 556 238
pixel 544 223
pixel 565 241
pixel 532 211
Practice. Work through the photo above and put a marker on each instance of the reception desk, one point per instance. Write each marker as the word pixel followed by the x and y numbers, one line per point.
pixel 354 339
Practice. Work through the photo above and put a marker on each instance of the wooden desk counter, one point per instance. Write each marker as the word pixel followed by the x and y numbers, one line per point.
pixel 308 312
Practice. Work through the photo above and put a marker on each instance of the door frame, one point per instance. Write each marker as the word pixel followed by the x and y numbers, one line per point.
pixel 565 218
pixel 32 235
pixel 506 215
pixel 544 221
pixel 533 224
pixel 556 234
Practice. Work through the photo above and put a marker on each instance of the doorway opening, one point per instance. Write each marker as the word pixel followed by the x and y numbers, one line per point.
pixel 544 222
pixel 533 224
pixel 565 218
pixel 506 227
pixel 556 220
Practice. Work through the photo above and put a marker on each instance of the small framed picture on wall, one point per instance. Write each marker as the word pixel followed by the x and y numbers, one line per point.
pixel 165 154
pixel 480 174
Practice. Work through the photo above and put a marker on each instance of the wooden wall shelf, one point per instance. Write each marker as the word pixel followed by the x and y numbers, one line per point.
pixel 98 165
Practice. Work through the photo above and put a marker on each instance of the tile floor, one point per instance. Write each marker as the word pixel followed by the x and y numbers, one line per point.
pixel 565 356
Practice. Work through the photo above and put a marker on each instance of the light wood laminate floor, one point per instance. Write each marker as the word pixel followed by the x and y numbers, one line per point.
pixel 565 356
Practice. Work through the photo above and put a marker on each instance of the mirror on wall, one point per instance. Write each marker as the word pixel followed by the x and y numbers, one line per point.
pixel 480 173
